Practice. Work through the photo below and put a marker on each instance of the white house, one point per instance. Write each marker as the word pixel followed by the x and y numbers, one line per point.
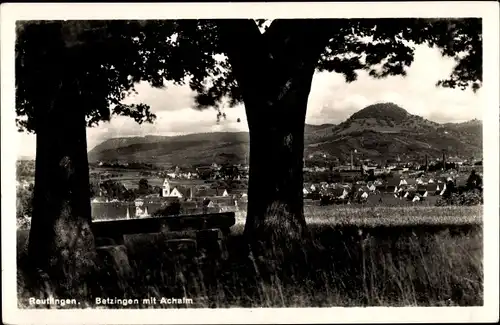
pixel 175 192
pixel 166 188
pixel 139 212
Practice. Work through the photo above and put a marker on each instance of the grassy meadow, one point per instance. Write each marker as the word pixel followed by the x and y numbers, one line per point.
pixel 375 256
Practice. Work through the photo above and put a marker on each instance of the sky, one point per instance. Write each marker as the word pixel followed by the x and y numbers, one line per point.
pixel 331 100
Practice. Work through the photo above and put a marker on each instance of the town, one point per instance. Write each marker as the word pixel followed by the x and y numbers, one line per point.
pixel 137 190
pixel 119 191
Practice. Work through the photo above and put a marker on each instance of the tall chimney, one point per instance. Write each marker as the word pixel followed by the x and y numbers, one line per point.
pixel 444 160
pixel 426 163
pixel 352 161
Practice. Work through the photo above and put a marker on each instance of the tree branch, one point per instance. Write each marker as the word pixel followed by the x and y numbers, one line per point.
pixel 241 40
pixel 302 39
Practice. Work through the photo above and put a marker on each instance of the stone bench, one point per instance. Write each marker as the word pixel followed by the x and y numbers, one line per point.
pixel 192 232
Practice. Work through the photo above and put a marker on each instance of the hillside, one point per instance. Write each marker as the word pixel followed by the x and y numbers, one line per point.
pixel 386 130
pixel 382 131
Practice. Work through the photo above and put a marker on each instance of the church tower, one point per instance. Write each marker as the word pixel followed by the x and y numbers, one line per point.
pixel 166 188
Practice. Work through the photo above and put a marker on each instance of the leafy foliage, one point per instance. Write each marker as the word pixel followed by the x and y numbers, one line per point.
pixel 385 47
pixel 474 181
pixel 24 201
pixel 173 208
pixel 25 168
pixel 143 186
pixel 101 61
pixel 468 198
pixel 112 189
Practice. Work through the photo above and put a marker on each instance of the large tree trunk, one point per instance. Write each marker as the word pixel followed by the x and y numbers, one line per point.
pixel 276 159
pixel 275 226
pixel 274 72
pixel 60 243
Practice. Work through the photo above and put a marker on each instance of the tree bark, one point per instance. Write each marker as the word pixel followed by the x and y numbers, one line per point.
pixel 61 244
pixel 276 160
pixel 274 71
pixel 61 241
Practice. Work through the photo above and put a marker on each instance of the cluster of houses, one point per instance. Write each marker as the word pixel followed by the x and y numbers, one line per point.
pixel 414 189
pixel 178 174
pixel 214 169
pixel 192 200
pixel 404 183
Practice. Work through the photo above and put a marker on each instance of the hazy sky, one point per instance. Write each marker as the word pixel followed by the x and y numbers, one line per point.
pixel 331 101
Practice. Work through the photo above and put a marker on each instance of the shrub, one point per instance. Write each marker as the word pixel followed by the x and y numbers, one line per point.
pixel 24 207
pixel 469 198
pixel 173 208
pixel 24 222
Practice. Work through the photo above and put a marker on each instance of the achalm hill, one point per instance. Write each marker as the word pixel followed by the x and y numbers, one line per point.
pixel 386 130
pixel 379 131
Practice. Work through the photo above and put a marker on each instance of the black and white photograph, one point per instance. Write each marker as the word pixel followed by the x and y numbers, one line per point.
pixel 236 163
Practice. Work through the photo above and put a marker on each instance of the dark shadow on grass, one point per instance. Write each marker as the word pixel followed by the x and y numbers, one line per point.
pixel 343 266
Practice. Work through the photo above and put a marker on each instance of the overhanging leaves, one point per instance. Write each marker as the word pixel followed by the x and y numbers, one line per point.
pixel 105 59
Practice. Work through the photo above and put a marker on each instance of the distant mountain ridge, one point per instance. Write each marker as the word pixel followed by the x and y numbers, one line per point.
pixel 378 131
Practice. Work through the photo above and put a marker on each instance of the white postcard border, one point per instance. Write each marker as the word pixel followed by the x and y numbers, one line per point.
pixel 489 11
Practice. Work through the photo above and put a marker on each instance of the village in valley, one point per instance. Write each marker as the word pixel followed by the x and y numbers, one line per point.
pixel 120 192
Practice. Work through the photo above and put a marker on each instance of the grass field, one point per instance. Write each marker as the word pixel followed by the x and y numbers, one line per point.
pixel 356 257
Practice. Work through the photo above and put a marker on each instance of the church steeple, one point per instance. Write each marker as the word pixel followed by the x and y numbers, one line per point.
pixel 166 188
